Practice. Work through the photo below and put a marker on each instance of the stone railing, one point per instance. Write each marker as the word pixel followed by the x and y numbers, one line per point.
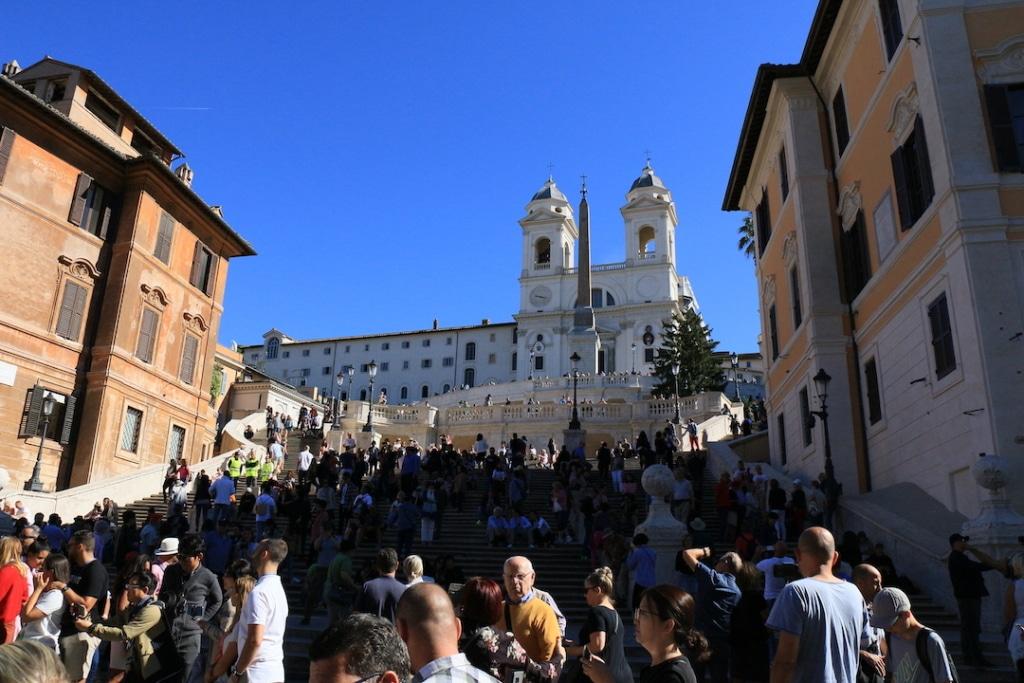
pixel 599 381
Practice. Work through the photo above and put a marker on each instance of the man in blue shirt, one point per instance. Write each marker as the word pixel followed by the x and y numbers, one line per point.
pixel 717 597
pixel 819 618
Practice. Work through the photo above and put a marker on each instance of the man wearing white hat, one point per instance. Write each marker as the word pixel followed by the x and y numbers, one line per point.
pixel 163 557
pixel 916 653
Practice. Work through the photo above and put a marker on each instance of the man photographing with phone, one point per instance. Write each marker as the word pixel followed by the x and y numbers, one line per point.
pixel 85 595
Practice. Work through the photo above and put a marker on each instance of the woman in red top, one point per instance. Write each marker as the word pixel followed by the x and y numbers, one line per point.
pixel 183 473
pixel 13 586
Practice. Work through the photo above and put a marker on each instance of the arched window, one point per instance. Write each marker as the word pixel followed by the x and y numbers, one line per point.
pixel 404 393
pixel 362 394
pixel 542 252
pixel 645 240
pixel 424 391
pixel 471 351
pixel 469 377
pixel 447 388
pixel 273 345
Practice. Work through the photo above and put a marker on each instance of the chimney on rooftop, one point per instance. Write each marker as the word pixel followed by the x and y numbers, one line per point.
pixel 11 68
pixel 485 321
pixel 185 173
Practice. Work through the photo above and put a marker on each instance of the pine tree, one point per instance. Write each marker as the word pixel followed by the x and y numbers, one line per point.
pixel 687 340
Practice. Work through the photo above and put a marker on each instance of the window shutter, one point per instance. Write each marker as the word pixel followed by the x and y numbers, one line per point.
pixel 1000 123
pixel 188 359
pixel 924 166
pixel 163 238
pixel 72 306
pixel 78 312
pixel 147 334
pixel 35 411
pixel 6 144
pixel 197 253
pixel 211 275
pixel 108 211
pixel 69 419
pixel 899 177
pixel 78 201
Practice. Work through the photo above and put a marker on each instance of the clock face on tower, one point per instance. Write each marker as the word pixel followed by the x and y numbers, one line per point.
pixel 540 296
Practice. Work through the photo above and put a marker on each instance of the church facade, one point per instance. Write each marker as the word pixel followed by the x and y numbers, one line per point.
pixel 629 301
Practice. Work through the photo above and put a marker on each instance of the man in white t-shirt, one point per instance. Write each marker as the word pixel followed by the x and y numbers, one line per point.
pixel 773 585
pixel 305 462
pixel 262 623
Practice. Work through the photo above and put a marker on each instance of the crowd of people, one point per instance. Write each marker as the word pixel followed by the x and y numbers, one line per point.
pixel 197 591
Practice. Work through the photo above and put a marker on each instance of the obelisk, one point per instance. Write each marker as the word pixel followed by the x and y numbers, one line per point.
pixel 583 339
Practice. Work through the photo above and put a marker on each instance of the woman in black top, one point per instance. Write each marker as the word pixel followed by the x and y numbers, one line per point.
pixel 601 635
pixel 664 627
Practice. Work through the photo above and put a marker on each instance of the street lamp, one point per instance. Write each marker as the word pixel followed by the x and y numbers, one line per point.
pixel 632 347
pixel 735 360
pixel 340 380
pixel 574 423
pixel 832 488
pixel 532 354
pixel 371 369
pixel 36 482
pixel 675 374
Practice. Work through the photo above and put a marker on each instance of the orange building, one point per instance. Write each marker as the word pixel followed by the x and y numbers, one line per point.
pixel 113 288
pixel 884 174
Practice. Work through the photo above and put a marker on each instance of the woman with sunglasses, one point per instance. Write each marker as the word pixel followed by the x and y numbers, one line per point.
pixel 602 631
pixel 664 627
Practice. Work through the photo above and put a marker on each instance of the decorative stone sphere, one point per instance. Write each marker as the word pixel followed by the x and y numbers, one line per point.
pixel 991 472
pixel 657 481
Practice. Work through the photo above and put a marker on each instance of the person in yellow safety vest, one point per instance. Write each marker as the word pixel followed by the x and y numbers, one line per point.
pixel 235 466
pixel 267 469
pixel 252 468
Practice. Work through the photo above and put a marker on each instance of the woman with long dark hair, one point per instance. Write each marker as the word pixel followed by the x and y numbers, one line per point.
pixel 664 627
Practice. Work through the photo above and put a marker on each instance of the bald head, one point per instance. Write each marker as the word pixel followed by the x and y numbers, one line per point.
pixel 427 623
pixel 816 551
pixel 519 577
pixel 868 581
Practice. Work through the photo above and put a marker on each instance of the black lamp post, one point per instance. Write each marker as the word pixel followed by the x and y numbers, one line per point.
pixel 632 348
pixel 36 482
pixel 340 381
pixel 574 423
pixel 533 354
pixel 832 488
pixel 735 360
pixel 371 369
pixel 675 374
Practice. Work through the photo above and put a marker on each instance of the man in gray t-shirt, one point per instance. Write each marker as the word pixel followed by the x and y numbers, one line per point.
pixel 905 637
pixel 819 618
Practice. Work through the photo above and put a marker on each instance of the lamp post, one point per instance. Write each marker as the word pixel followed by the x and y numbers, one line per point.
pixel 735 360
pixel 340 381
pixel 371 369
pixel 36 482
pixel 831 488
pixel 675 374
pixel 532 355
pixel 574 423
pixel 632 348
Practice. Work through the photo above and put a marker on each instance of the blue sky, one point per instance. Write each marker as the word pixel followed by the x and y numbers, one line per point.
pixel 378 155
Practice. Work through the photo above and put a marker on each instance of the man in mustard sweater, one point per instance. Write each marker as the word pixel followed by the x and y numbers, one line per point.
pixel 533 622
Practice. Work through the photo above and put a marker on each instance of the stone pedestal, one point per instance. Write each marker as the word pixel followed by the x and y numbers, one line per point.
pixel 664 531
pixel 994 531
pixel 585 342
pixel 572 438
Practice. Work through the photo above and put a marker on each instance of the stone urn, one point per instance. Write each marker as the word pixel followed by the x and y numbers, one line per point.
pixel 998 522
pixel 664 531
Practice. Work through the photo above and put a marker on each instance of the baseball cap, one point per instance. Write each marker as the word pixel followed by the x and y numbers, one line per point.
pixel 953 538
pixel 887 607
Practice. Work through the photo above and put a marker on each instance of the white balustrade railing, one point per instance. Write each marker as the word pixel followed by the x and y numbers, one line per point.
pixel 656 409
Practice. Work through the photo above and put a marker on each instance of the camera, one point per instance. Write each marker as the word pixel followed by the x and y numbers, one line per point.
pixel 79 611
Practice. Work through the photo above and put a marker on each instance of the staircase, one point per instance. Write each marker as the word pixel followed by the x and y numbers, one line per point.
pixel 560 569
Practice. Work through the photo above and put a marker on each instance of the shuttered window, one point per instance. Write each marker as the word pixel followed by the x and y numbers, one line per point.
pixel 783 174
pixel 892 27
pixel 176 444
pixel 92 207
pixel 147 335
pixel 189 352
pixel 72 309
pixel 471 351
pixel 203 265
pixel 912 175
pixel 163 238
pixel 942 336
pixel 6 145
pixel 763 216
pixel 781 422
pixel 794 291
pixel 1005 104
pixel 842 126
pixel 773 332
pixel 874 396
pixel 856 262
pixel 805 417
pixel 131 429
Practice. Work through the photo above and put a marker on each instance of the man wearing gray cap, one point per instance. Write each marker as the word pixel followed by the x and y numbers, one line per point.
pixel 917 653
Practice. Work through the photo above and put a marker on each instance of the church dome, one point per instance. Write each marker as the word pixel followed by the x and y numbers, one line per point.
pixel 647 179
pixel 548 191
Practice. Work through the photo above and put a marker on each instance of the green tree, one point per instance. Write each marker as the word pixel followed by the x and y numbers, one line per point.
pixel 748 240
pixel 687 340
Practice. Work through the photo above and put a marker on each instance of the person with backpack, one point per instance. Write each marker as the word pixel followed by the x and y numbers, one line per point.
pixel 193 596
pixel 152 655
pixel 916 654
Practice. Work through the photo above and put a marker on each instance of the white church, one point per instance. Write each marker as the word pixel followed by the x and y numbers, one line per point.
pixel 610 314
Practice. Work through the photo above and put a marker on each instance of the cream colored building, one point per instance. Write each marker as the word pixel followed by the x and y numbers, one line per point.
pixel 884 174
